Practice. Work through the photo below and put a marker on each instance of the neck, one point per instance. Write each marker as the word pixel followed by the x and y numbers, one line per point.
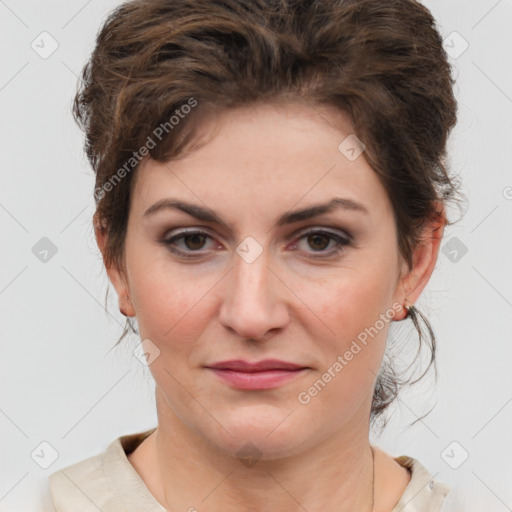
pixel 335 475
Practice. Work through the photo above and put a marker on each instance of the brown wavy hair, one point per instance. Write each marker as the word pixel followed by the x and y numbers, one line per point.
pixel 380 62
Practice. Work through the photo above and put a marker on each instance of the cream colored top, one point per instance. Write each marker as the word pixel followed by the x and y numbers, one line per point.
pixel 108 482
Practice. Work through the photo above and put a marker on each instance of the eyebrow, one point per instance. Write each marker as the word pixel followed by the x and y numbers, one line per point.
pixel 207 215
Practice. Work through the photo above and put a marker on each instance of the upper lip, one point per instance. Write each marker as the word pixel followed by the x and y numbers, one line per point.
pixel 259 366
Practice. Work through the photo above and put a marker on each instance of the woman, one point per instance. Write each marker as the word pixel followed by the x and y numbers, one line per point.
pixel 229 139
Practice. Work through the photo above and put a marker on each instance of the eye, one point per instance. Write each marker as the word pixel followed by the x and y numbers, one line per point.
pixel 193 241
pixel 186 243
pixel 319 240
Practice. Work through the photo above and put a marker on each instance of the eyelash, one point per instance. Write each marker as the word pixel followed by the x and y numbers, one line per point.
pixel 341 242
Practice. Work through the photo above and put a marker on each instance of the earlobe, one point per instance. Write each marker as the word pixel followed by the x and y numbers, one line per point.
pixel 424 259
pixel 115 275
pixel 126 310
pixel 123 293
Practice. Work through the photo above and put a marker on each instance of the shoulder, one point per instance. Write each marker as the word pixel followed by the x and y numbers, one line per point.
pixel 423 493
pixel 98 482
pixel 83 486
pixel 79 484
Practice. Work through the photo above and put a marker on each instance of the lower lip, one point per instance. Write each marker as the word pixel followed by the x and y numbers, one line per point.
pixel 257 380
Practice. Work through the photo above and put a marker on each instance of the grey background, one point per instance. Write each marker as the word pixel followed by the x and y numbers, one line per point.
pixel 62 385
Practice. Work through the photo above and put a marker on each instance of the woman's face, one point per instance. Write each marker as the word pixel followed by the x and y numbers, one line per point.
pixel 263 282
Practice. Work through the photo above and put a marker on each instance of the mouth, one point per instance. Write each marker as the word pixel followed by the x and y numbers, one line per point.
pixel 267 374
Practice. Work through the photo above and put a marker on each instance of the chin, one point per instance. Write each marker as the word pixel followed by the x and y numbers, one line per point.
pixel 262 436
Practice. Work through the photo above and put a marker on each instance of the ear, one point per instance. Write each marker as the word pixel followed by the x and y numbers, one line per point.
pixel 424 258
pixel 115 275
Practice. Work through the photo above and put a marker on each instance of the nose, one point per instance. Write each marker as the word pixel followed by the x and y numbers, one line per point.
pixel 253 299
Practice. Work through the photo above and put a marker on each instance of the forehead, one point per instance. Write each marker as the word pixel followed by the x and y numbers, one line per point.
pixel 267 154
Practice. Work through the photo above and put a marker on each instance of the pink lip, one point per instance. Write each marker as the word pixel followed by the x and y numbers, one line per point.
pixel 266 374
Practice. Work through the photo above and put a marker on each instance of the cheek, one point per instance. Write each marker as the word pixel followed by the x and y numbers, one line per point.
pixel 354 314
pixel 170 305
pixel 350 357
pixel 350 301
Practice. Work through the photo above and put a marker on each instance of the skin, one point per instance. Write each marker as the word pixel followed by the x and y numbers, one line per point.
pixel 255 164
